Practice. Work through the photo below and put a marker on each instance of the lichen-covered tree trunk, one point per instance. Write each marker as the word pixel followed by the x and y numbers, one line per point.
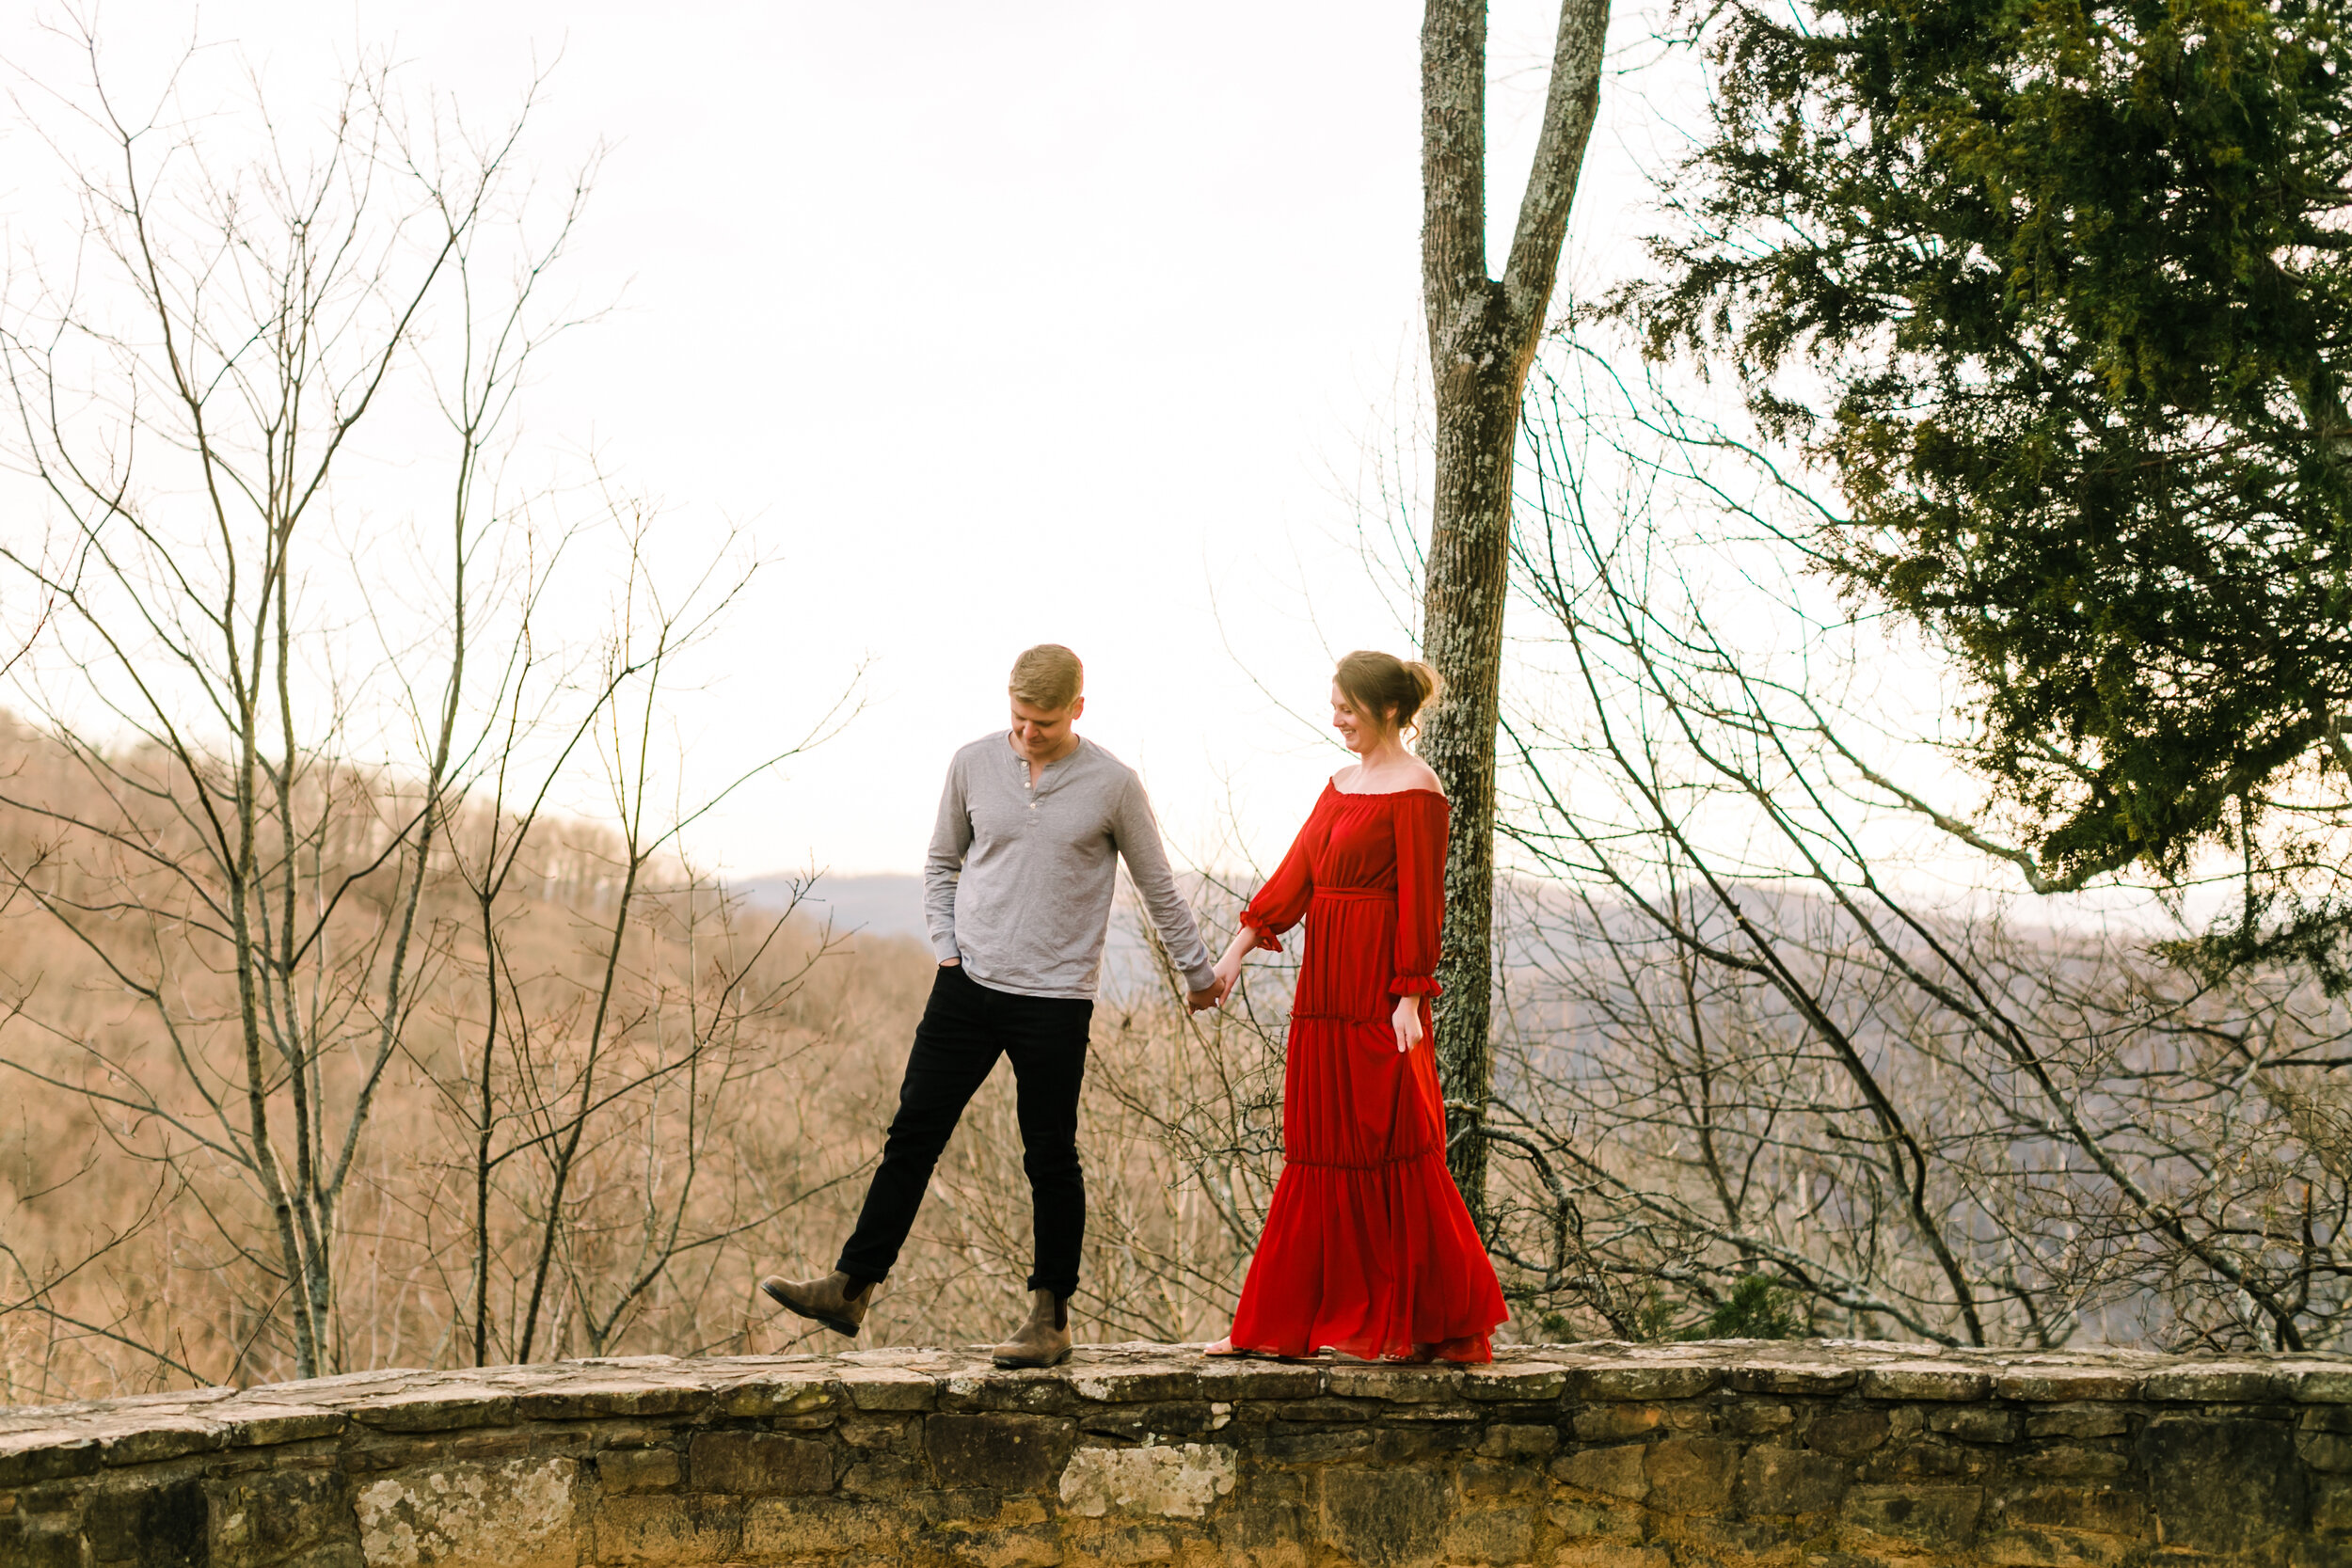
pixel 1483 333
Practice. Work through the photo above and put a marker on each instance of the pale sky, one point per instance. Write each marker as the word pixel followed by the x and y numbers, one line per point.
pixel 994 324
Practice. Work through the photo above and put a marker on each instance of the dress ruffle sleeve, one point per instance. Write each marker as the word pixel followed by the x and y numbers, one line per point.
pixel 1421 817
pixel 1284 899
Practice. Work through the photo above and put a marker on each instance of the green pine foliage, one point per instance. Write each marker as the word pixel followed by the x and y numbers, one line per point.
pixel 1755 1309
pixel 2060 293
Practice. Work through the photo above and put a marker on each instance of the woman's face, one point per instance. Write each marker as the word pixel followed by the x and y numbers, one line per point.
pixel 1358 732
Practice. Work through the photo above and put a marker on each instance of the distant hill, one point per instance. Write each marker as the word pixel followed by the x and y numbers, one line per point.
pixel 885 906
pixel 892 906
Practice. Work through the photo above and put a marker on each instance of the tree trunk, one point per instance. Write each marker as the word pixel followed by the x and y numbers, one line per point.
pixel 1483 333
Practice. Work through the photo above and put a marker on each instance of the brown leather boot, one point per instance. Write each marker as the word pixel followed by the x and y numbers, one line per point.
pixel 1045 1339
pixel 837 1301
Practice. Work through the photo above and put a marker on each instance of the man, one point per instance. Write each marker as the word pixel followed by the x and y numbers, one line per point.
pixel 1017 893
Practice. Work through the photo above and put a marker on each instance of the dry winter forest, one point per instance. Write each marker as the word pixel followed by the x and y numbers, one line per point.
pixel 1901 738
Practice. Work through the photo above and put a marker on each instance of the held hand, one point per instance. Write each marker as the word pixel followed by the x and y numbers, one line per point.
pixel 1201 1001
pixel 1407 1020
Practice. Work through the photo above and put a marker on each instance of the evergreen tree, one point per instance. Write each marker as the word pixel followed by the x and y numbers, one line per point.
pixel 2061 293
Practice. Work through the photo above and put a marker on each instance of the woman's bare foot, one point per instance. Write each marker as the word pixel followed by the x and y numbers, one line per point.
pixel 1223 1347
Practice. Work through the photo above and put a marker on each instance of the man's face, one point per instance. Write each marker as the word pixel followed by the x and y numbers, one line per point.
pixel 1043 734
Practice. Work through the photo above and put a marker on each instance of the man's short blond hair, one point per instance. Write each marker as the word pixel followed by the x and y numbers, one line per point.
pixel 1048 677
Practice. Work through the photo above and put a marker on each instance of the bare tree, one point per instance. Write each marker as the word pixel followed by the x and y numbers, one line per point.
pixel 183 397
pixel 1483 335
pixel 1774 1019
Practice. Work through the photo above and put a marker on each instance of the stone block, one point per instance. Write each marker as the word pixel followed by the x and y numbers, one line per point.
pixel 1319 1410
pixel 2071 1464
pixel 2225 1384
pixel 1386 1518
pixel 1533 1382
pixel 2045 1548
pixel 1792 1480
pixel 1691 1475
pixel 887 1474
pixel 1495 1535
pixel 1578 1520
pixel 2078 1421
pixel 1143 1423
pixel 1758 1418
pixel 2331 1505
pixel 2327 1383
pixel 165 1525
pixel 1611 1556
pixel 517 1514
pixel 1599 1385
pixel 888 1388
pixel 1003 1452
pixel 1134 1385
pixel 2048 1385
pixel 787 1528
pixel 29 1544
pixel 1794 1378
pixel 1410 1445
pixel 750 1463
pixel 2323 1451
pixel 259 1426
pixel 1608 1423
pixel 1260 1381
pixel 1269 1515
pixel 1976 1423
pixel 1923 1380
pixel 1314 1447
pixel 1518 1442
pixel 658 1532
pixel 1937 1516
pixel 159 1442
pixel 1848 1434
pixel 1617 1472
pixel 1929 1458
pixel 1491 1479
pixel 1178 1482
pixel 624 1470
pixel 438 1410
pixel 885 1433
pixel 1033 1548
pixel 590 1400
pixel 1033 1391
pixel 778 1394
pixel 265 1518
pixel 2223 1485
pixel 1396 1385
pixel 27 1458
pixel 2101 1510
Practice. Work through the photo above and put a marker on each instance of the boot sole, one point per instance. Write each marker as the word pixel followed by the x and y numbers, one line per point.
pixel 839 1325
pixel 1012 1362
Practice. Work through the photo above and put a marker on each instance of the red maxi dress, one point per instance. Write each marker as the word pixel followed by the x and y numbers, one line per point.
pixel 1368 1249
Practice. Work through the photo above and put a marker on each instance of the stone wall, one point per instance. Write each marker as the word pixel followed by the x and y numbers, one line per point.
pixel 1581 1456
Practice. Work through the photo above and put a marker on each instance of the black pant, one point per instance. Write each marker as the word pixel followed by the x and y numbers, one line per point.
pixel 965 1027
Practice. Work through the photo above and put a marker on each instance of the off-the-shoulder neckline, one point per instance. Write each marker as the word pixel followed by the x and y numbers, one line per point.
pixel 1333 786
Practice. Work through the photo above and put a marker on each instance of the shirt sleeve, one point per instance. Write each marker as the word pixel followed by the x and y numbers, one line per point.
pixel 1136 833
pixel 943 866
pixel 1283 898
pixel 1420 821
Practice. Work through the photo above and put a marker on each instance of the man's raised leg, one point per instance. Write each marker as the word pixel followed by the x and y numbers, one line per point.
pixel 955 1046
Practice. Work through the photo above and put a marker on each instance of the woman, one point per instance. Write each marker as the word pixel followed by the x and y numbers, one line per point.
pixel 1368 1249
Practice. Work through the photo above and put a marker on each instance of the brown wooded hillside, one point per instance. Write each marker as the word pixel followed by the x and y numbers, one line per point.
pixel 746 1070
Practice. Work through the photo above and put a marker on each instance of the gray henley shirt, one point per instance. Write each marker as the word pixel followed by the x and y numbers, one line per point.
pixel 1019 880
